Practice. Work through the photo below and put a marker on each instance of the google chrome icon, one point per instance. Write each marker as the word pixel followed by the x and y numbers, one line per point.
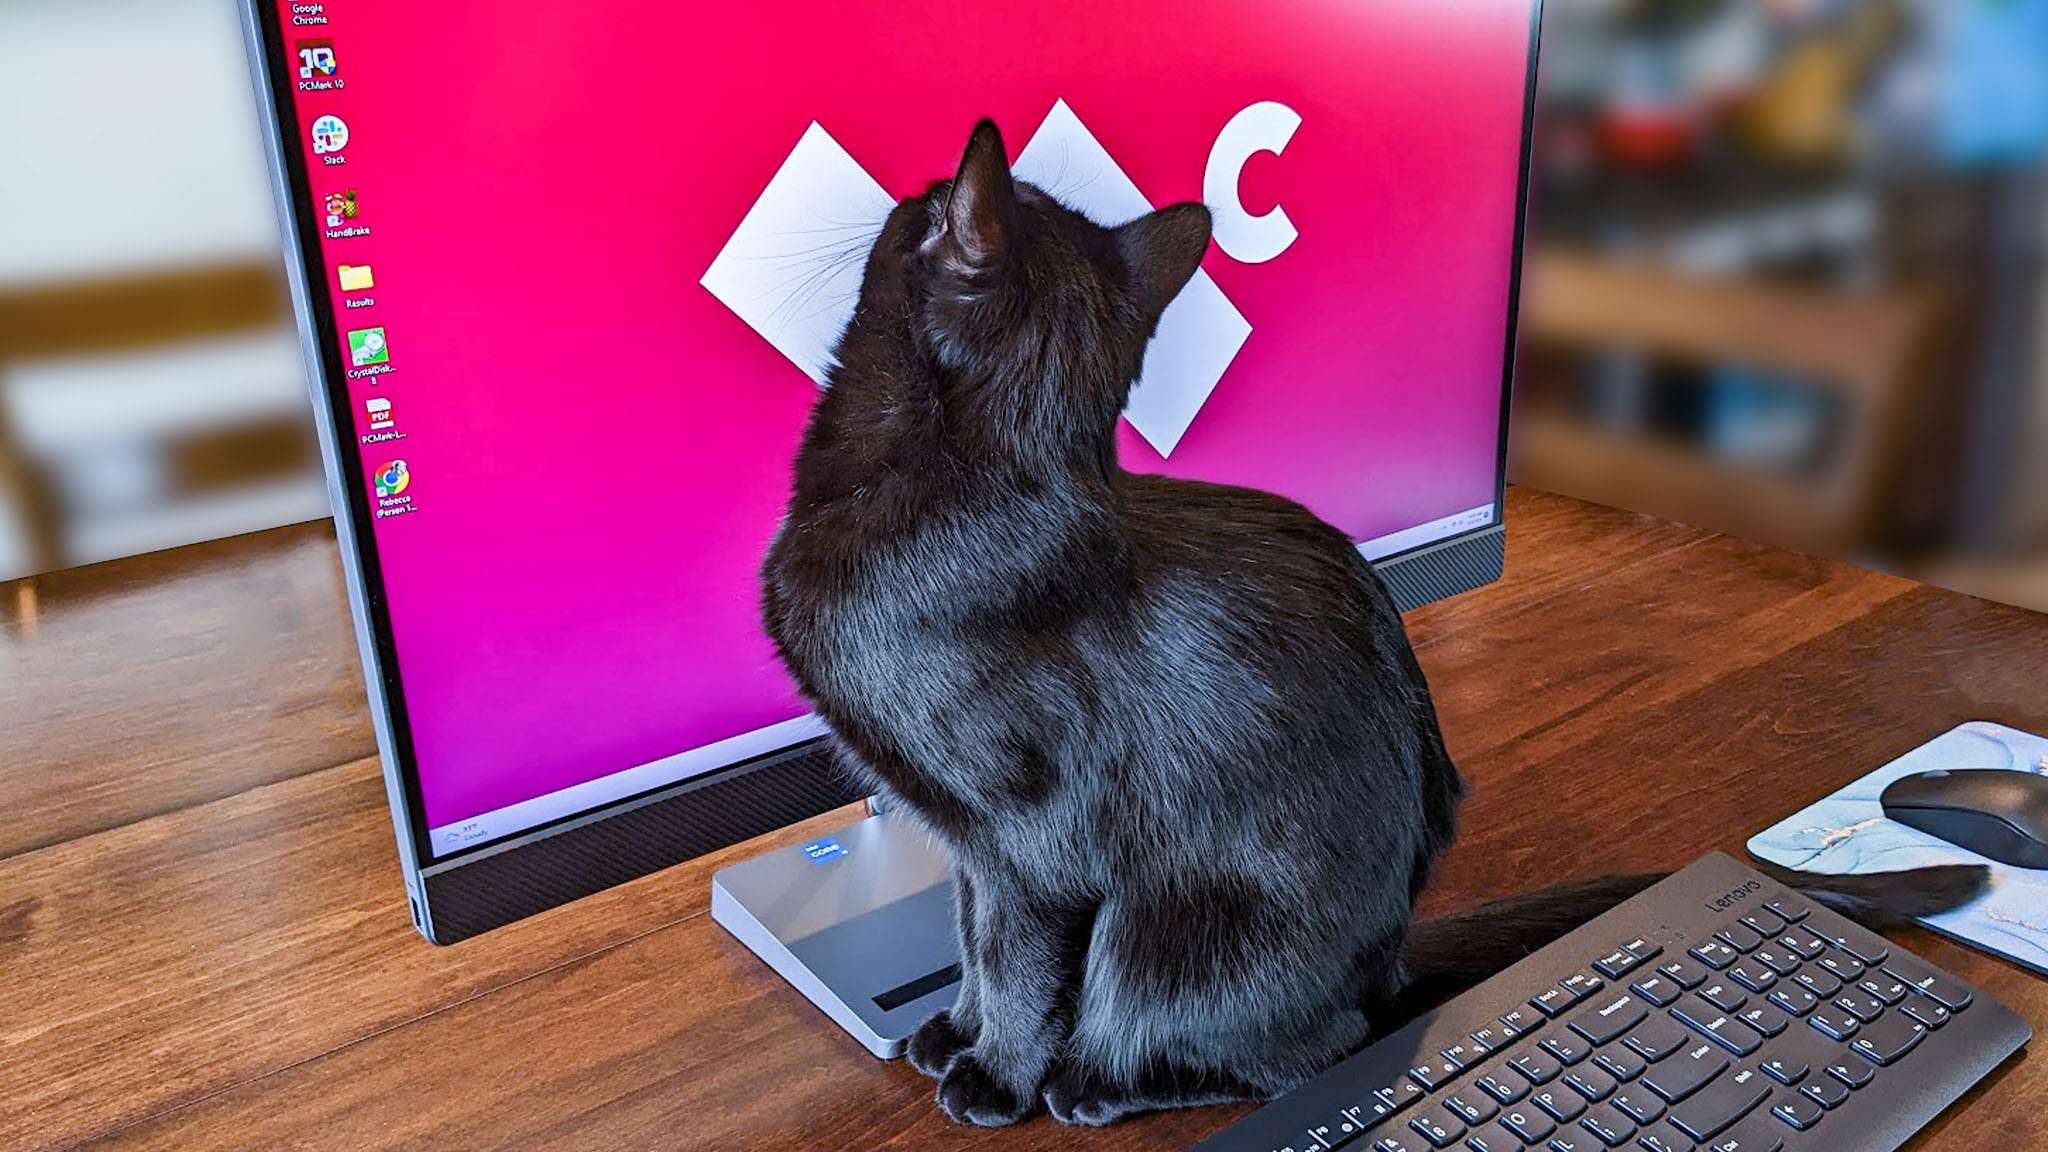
pixel 392 478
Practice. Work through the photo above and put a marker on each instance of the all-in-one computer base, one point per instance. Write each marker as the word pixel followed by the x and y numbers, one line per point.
pixel 860 921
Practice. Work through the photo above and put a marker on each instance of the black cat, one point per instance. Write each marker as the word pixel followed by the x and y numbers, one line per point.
pixel 1172 733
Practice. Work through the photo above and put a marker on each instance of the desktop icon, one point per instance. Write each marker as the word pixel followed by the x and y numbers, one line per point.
pixel 329 135
pixel 316 59
pixel 379 410
pixel 392 478
pixel 356 278
pixel 341 208
pixel 366 346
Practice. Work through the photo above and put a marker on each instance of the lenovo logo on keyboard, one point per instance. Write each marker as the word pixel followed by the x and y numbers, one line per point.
pixel 1734 897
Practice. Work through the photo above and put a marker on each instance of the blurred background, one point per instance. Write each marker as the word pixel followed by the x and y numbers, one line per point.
pixel 1785 279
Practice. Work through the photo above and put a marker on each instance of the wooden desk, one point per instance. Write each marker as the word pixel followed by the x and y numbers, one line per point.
pixel 204 944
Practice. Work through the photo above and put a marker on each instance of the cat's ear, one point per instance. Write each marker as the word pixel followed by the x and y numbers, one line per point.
pixel 1163 250
pixel 981 212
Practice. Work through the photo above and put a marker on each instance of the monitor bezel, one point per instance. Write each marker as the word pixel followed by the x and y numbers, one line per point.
pixel 354 519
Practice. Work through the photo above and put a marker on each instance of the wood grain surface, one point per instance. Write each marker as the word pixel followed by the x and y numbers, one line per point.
pixel 204 944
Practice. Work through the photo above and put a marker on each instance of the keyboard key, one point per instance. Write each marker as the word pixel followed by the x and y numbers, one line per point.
pixel 1684 973
pixel 1591 1083
pixel 1612 1128
pixel 1854 1073
pixel 1617 963
pixel 1753 975
pixel 1657 1038
pixel 1464 1055
pixel 1439 1127
pixel 1802 943
pixel 1658 990
pixel 1404 1092
pixel 1643 949
pixel 1834 1022
pixel 1562 1104
pixel 1436 1073
pixel 1718 1026
pixel 1527 1124
pixel 1781 961
pixel 1568 1048
pixel 1795 999
pixel 1716 1107
pixel 1474 1108
pixel 1819 983
pixel 1536 1067
pixel 1582 985
pixel 1941 990
pixel 1843 965
pixel 1603 1023
pixel 1638 1105
pixel 1751 1137
pixel 1764 1018
pixel 1621 1062
pixel 1863 1007
pixel 1716 955
pixel 1519 1021
pixel 1739 938
pixel 1502 1087
pixel 1827 1092
pixel 1492 1140
pixel 1764 922
pixel 1374 1108
pixel 1786 1070
pixel 1799 1112
pixel 1553 1000
pixel 1788 908
pixel 1860 944
pixel 1337 1133
pixel 1683 1074
pixel 1490 1039
pixel 1399 1142
pixel 1925 1011
pixel 1723 995
pixel 1570 1141
pixel 1665 1141
pixel 1890 1038
pixel 1886 988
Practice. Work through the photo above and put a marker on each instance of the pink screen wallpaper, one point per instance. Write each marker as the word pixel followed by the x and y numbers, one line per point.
pixel 596 450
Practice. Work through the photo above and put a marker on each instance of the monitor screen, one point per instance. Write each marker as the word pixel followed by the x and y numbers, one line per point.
pixel 583 264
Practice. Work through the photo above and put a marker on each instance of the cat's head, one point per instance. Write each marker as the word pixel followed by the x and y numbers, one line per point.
pixel 1034 317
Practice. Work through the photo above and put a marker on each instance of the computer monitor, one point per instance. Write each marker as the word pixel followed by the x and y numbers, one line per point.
pixel 567 275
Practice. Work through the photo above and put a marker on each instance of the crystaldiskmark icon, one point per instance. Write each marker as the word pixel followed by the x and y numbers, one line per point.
pixel 769 272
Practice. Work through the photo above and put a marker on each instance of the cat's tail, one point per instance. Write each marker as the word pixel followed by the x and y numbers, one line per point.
pixel 1447 955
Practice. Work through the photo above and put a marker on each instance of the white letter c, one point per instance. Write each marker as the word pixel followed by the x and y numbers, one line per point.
pixel 1263 127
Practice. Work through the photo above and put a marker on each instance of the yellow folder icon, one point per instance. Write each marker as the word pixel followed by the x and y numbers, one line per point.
pixel 356 277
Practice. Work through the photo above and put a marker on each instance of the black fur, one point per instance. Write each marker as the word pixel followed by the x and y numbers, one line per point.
pixel 1172 733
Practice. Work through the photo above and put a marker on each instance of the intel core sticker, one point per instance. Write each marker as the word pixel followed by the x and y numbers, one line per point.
pixel 822 850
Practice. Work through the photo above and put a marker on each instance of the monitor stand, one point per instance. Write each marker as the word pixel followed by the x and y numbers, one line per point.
pixel 860 921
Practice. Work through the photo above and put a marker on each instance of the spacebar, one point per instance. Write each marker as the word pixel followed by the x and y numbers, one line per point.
pixel 1720 1104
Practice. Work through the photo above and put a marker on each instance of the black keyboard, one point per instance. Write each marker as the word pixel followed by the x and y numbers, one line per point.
pixel 1715 1011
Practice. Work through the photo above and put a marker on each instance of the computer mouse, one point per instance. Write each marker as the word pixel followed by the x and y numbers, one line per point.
pixel 1998 814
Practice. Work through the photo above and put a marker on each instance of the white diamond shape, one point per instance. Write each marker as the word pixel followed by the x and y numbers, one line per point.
pixel 792 270
pixel 1200 332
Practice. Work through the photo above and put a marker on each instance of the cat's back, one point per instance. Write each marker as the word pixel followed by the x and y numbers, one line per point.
pixel 1242 536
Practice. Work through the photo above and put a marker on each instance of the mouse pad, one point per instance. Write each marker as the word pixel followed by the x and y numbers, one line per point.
pixel 1848 832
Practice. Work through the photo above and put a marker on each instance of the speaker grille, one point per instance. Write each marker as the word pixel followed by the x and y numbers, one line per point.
pixel 495 890
pixel 1447 569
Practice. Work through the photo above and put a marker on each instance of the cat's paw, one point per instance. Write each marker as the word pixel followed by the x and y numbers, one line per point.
pixel 935 1045
pixel 1076 1096
pixel 970 1095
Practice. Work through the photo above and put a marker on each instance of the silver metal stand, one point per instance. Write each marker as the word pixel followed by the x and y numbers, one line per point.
pixel 860 921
